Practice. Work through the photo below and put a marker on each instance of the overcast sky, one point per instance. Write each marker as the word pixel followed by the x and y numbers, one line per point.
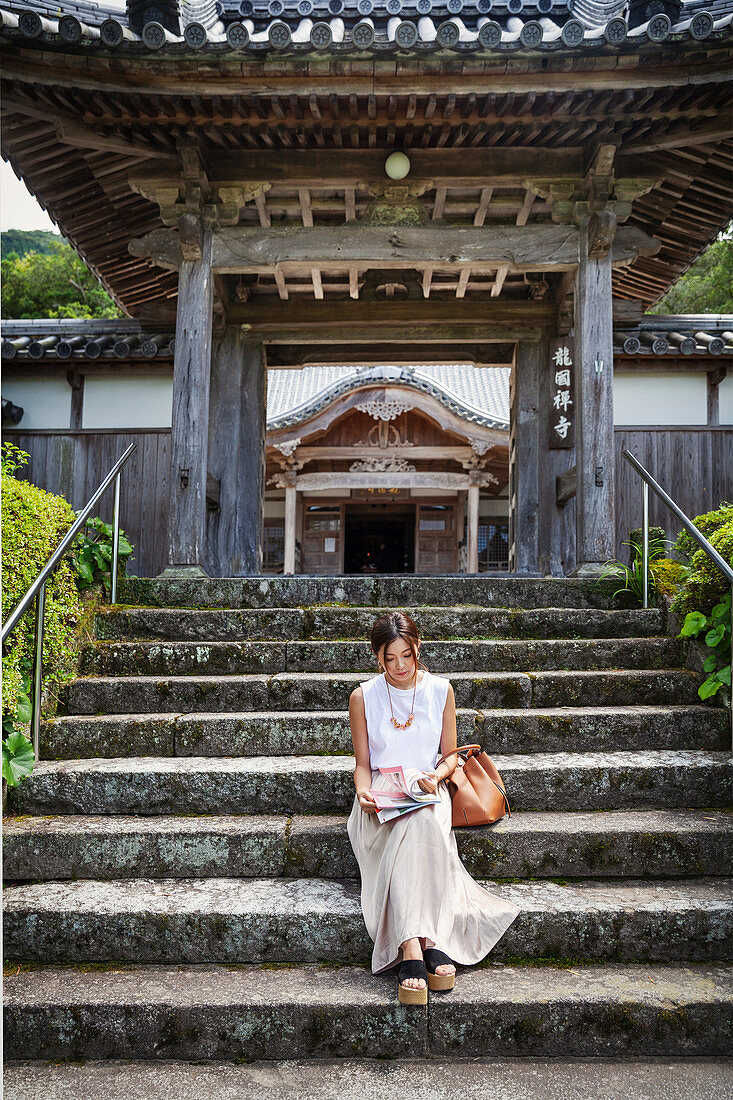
pixel 18 208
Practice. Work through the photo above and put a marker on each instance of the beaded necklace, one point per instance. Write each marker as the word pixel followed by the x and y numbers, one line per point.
pixel 393 720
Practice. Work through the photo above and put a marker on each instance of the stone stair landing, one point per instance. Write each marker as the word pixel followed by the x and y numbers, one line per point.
pixel 180 886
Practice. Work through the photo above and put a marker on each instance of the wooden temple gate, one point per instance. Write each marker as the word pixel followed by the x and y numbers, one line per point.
pixel 210 366
pixel 533 199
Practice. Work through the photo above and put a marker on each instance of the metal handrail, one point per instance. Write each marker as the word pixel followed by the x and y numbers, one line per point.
pixel 37 590
pixel 715 557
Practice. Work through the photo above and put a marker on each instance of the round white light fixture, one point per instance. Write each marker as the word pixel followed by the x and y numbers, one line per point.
pixel 397 165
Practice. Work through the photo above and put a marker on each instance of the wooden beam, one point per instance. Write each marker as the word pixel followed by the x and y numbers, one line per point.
pixel 329 168
pixel 289 77
pixel 396 331
pixel 463 282
pixel 422 454
pixel 419 479
pixel 79 136
pixel 480 216
pixel 282 286
pixel 501 274
pixel 680 136
pixel 259 313
pixel 264 213
pixel 240 249
pixel 304 197
pixel 317 284
pixel 353 283
pixel 483 356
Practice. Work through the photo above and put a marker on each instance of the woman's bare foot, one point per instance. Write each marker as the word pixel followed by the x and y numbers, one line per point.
pixel 411 949
pixel 444 968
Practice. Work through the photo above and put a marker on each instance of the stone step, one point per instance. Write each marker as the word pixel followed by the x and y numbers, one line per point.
pixel 229 658
pixel 257 733
pixel 200 1012
pixel 368 591
pixel 225 920
pixel 621 843
pixel 655 779
pixel 309 623
pixel 432 1078
pixel 330 691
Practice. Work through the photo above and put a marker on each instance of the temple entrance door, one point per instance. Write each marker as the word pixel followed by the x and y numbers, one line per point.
pixel 436 538
pixel 323 544
pixel 379 538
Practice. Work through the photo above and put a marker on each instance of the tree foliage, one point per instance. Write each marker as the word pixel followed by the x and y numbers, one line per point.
pixel 21 241
pixel 53 284
pixel 707 285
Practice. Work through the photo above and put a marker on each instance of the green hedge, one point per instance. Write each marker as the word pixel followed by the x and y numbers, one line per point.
pixel 705 585
pixel 33 524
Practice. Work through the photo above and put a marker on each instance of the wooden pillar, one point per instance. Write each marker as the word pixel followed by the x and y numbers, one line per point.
pixel 191 371
pixel 291 505
pixel 237 455
pixel 524 460
pixel 594 441
pixel 473 500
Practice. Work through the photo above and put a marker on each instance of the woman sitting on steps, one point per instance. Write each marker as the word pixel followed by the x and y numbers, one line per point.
pixel 421 907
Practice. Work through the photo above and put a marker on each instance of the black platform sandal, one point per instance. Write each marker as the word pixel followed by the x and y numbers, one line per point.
pixel 408 994
pixel 433 959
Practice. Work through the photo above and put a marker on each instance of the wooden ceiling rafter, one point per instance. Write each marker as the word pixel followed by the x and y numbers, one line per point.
pixel 640 112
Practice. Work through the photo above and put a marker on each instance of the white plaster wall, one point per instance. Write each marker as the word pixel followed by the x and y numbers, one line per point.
pixel 725 397
pixel 660 398
pixel 127 401
pixel 46 401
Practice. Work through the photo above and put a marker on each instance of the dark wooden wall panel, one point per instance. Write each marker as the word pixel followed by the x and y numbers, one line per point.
pixel 695 466
pixel 74 465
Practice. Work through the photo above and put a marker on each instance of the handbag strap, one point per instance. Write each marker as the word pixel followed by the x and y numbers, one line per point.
pixel 470 750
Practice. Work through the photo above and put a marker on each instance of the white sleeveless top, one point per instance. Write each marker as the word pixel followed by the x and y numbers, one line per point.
pixel 418 746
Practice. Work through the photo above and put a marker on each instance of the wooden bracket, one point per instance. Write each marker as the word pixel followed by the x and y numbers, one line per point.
pixel 566 486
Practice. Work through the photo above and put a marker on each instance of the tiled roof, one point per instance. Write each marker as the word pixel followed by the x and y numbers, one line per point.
pixel 301 26
pixel 689 334
pixel 477 394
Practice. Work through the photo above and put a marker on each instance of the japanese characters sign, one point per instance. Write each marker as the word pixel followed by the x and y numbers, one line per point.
pixel 561 390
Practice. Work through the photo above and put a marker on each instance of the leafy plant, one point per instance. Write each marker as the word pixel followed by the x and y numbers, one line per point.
pixel 633 575
pixel 717 629
pixel 16 747
pixel 33 524
pixel 91 553
pixel 707 524
pixel 668 575
pixel 704 585
pixel 13 459
pixel 18 758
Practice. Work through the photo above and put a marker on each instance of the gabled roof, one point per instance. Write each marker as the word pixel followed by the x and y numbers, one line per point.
pixel 477 395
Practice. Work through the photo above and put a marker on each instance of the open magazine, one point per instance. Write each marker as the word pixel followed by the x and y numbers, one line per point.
pixel 406 796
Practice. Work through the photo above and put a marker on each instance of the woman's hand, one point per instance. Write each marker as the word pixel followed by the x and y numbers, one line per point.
pixel 366 802
pixel 429 782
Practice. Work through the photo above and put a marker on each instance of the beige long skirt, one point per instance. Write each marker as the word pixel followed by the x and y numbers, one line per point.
pixel 414 884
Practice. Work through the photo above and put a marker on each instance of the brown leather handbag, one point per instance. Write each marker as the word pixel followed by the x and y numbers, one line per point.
pixel 476 788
